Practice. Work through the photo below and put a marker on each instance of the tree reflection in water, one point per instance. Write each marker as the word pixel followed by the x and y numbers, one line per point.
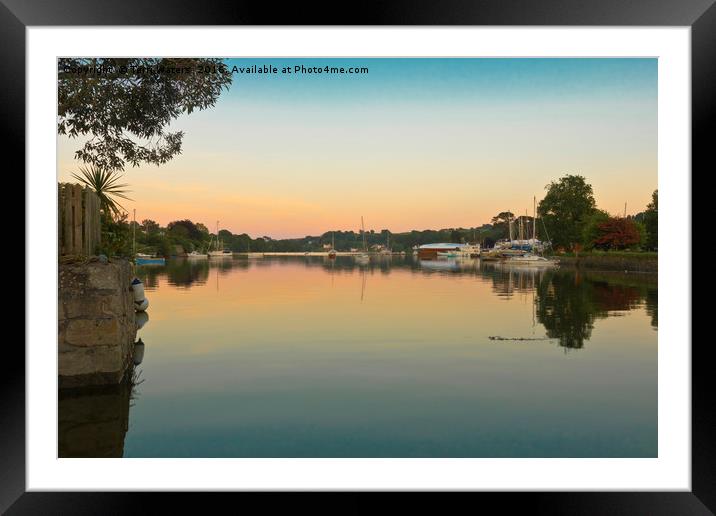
pixel 179 272
pixel 569 302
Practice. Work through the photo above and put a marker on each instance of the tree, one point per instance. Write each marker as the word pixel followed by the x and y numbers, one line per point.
pixel 590 231
pixel 617 233
pixel 185 228
pixel 651 222
pixel 565 208
pixel 125 105
pixel 500 225
pixel 150 227
pixel 504 217
pixel 641 230
pixel 106 186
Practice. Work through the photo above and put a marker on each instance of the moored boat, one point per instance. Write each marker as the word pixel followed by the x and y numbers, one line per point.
pixel 219 251
pixel 531 260
pixel 332 253
pixel 363 258
pixel 149 260
pixel 428 251
pixel 224 253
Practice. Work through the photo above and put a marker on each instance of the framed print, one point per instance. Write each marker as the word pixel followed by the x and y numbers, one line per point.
pixel 420 253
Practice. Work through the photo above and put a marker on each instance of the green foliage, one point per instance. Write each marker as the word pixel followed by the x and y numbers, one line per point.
pixel 641 230
pixel 126 108
pixel 106 184
pixel 566 207
pixel 590 231
pixel 166 247
pixel 149 227
pixel 651 222
pixel 116 237
pixel 501 225
pixel 186 229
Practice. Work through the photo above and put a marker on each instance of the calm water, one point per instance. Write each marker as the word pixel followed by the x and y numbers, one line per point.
pixel 310 357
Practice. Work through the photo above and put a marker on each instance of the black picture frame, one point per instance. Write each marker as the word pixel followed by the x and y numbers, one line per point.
pixel 700 15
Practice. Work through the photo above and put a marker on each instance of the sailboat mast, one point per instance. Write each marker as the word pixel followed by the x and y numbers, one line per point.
pixel 522 226
pixel 362 227
pixel 534 219
pixel 509 223
pixel 134 231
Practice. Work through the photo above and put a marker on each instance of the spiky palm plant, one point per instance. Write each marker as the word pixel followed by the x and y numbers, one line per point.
pixel 105 184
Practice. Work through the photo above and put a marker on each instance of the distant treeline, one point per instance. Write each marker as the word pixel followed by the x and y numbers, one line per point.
pixel 191 236
pixel 568 218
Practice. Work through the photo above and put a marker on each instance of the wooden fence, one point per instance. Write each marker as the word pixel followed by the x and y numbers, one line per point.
pixel 79 229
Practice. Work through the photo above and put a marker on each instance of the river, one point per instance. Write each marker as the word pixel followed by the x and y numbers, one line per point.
pixel 312 357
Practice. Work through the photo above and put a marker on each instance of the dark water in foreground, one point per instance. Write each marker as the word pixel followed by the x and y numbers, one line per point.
pixel 308 357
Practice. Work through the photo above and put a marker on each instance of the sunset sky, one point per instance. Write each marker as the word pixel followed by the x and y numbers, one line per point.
pixel 413 144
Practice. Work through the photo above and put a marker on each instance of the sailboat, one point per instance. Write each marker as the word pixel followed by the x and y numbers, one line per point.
pixel 363 258
pixel 529 258
pixel 332 253
pixel 387 251
pixel 219 251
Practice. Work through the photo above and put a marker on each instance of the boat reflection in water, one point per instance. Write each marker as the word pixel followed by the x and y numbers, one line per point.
pixel 441 265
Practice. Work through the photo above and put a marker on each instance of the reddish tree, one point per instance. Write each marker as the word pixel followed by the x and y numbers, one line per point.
pixel 616 233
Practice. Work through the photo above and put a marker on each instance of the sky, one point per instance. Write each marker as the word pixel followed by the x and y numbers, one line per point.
pixel 412 144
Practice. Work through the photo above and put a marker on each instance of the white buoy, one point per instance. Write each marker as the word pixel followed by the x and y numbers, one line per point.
pixel 140 302
pixel 138 288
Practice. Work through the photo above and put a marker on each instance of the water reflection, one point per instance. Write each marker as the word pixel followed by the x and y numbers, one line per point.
pixel 93 421
pixel 181 272
pixel 397 357
pixel 568 303
pixel 652 306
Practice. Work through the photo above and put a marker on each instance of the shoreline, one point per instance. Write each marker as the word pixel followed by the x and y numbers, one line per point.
pixel 311 253
pixel 617 263
pixel 636 263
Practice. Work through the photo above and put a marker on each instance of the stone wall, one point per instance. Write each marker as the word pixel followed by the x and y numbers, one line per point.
pixel 96 322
